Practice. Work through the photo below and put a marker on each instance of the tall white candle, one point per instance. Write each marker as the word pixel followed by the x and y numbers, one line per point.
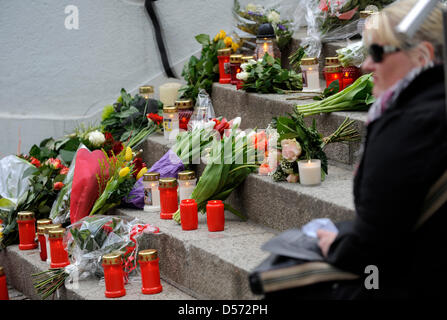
pixel 310 172
pixel 169 93
pixel 187 183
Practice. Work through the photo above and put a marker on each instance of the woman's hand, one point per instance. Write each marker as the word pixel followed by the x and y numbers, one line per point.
pixel 325 240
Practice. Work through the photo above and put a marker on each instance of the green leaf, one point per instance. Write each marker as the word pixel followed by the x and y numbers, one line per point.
pixel 203 39
pixel 35 152
pixel 67 156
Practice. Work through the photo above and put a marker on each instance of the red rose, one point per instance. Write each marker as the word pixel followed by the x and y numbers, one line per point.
pixel 58 186
pixel 117 147
pixel 155 118
pixel 138 165
pixel 108 136
pixel 64 170
pixel 35 162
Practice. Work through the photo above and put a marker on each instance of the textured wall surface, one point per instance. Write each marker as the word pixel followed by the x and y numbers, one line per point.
pixel 52 78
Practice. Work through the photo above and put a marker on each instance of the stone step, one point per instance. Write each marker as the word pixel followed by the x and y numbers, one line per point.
pixel 212 265
pixel 19 265
pixel 279 205
pixel 257 111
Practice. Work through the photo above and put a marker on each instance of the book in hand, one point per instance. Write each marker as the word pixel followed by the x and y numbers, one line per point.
pixel 296 260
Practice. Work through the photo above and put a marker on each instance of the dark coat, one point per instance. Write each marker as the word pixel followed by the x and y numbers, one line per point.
pixel 405 153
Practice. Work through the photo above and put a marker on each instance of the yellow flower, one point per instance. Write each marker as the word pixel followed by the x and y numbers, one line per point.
pixel 228 41
pixel 128 154
pixel 124 172
pixel 234 46
pixel 216 38
pixel 222 34
pixel 141 173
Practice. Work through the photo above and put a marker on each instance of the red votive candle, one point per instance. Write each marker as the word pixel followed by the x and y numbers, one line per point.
pixel 168 197
pixel 215 215
pixel 150 271
pixel 223 55
pixel 27 230
pixel 333 73
pixel 42 242
pixel 235 67
pixel 59 255
pixel 113 275
pixel 350 74
pixel 188 214
pixel 3 287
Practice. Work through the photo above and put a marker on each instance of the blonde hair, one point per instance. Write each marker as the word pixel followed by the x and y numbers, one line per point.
pixel 380 27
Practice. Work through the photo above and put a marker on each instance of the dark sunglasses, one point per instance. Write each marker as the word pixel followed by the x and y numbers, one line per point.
pixel 377 52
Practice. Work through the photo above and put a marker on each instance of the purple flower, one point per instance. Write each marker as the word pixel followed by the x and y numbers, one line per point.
pixel 280 26
pixel 258 14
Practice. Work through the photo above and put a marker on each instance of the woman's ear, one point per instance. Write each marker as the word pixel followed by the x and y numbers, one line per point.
pixel 427 52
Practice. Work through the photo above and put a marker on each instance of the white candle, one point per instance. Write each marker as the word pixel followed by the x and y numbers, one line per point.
pixel 171 123
pixel 310 172
pixel 151 192
pixel 186 190
pixel 310 73
pixel 169 92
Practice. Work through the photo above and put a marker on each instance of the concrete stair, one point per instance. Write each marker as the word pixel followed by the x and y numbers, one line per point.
pixel 215 265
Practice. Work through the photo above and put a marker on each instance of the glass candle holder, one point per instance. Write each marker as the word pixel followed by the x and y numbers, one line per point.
pixel 170 123
pixel 42 243
pixel 185 110
pixel 215 215
pixel 187 183
pixel 235 67
pixel 333 73
pixel 3 286
pixel 46 230
pixel 223 56
pixel 113 275
pixel 150 271
pixel 168 197
pixel 310 172
pixel 151 192
pixel 27 230
pixel 350 74
pixel 59 254
pixel 147 92
pixel 310 73
pixel 189 214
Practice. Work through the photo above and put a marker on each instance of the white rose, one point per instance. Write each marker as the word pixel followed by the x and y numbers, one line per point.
pixel 273 17
pixel 96 138
pixel 259 60
pixel 244 66
pixel 251 62
pixel 242 76
pixel 251 7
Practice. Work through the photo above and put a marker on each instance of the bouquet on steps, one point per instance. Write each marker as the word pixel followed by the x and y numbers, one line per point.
pixel 86 242
pixel 229 162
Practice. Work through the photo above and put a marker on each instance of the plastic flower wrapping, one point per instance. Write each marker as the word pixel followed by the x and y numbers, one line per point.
pixel 87 241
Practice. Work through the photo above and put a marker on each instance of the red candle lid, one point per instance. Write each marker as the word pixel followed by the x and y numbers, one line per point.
pixel 215 201
pixel 187 201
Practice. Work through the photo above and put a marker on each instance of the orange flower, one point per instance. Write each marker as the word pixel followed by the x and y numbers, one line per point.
pixel 58 186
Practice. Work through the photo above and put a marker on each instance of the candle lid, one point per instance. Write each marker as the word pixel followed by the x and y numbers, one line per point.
pixel 42 222
pixel 146 89
pixel 41 229
pixel 265 30
pixel 247 58
pixel 111 258
pixel 366 13
pixel 186 175
pixel 25 215
pixel 215 201
pixel 183 104
pixel 236 58
pixel 224 52
pixel 56 233
pixel 151 176
pixel 148 255
pixel 168 183
pixel 48 227
pixel 170 109
pixel 2 272
pixel 332 69
pixel 331 60
pixel 309 61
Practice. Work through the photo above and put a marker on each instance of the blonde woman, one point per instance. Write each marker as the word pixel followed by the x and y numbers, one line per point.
pixel 405 152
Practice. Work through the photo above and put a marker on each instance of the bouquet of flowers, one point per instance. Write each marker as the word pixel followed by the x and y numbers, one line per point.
pixel 230 161
pixel 267 76
pixel 249 18
pixel 294 141
pixel 87 241
pixel 201 73
pixel 128 121
pixel 352 55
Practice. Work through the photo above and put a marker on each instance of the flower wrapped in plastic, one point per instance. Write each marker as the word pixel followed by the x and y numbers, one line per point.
pixel 87 241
